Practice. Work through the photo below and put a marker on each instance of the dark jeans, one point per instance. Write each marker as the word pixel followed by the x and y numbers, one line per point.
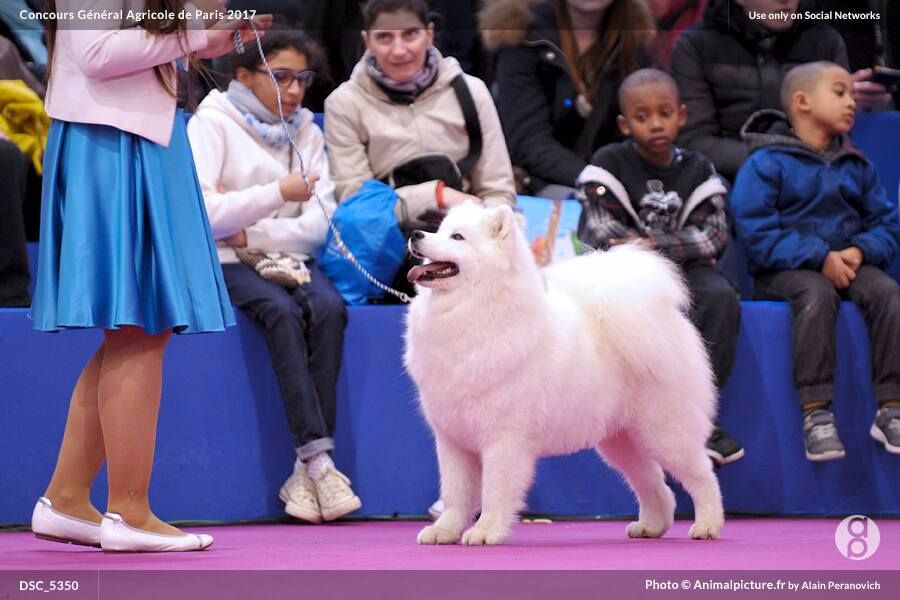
pixel 814 307
pixel 304 330
pixel 14 274
pixel 716 313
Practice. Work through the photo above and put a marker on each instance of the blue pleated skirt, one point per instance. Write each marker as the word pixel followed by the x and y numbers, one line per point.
pixel 124 235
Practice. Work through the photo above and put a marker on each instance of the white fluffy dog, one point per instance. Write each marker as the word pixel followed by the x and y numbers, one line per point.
pixel 514 363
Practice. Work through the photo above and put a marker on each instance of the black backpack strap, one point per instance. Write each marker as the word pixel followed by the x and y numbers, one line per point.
pixel 473 125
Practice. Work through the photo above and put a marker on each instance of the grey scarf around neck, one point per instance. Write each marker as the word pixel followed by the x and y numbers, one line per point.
pixel 247 102
pixel 406 92
pixel 264 122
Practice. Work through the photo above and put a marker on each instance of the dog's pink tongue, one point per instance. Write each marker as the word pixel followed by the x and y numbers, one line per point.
pixel 420 271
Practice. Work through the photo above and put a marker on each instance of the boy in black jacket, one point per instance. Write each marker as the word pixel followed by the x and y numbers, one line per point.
pixel 671 200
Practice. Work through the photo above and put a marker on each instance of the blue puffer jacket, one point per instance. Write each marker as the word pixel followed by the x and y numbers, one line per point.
pixel 792 205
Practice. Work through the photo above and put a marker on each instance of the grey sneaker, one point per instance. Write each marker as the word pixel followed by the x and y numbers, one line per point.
pixel 821 437
pixel 336 499
pixel 886 428
pixel 299 496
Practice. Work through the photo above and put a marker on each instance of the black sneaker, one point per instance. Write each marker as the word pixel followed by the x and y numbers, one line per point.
pixel 821 437
pixel 886 428
pixel 722 448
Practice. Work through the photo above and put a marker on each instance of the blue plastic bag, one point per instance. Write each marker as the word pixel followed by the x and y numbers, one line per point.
pixel 369 228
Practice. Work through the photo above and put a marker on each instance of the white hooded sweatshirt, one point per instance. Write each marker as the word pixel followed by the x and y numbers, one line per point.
pixel 239 175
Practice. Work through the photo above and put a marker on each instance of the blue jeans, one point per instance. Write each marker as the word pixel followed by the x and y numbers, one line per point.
pixel 304 330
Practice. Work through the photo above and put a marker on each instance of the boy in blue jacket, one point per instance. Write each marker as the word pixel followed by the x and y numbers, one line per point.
pixel 818 227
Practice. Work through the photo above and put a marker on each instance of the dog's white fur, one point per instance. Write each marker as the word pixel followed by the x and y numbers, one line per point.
pixel 513 363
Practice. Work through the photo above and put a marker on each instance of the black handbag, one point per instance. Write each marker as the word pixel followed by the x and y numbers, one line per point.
pixel 436 166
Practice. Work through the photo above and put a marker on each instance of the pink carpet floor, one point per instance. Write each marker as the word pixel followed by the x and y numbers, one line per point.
pixel 746 544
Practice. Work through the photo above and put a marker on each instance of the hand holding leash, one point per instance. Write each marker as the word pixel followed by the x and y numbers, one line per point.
pixel 296 188
pixel 230 34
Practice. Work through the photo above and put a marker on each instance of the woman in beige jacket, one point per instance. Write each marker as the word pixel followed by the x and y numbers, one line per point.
pixel 399 105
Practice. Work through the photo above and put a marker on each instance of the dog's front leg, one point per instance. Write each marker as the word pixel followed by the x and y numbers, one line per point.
pixel 460 483
pixel 508 471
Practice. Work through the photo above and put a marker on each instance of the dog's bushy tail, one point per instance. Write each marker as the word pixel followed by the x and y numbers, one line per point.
pixel 637 302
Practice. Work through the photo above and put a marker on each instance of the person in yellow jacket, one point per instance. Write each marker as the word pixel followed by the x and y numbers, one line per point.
pixel 23 120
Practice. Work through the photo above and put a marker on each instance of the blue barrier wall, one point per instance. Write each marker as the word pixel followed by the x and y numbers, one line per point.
pixel 224 448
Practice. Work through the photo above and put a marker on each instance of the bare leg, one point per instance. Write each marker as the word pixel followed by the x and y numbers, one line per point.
pixel 82 451
pixel 129 395
pixel 460 479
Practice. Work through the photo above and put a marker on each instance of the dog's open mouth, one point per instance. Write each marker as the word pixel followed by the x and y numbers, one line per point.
pixel 432 271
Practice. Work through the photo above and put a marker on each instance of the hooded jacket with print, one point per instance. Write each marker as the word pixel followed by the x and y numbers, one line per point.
pixel 680 207
pixel 793 205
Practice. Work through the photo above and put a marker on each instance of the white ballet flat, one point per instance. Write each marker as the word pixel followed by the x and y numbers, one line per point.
pixel 118 536
pixel 49 524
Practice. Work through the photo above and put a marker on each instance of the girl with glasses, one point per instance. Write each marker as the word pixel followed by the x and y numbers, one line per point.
pixel 257 200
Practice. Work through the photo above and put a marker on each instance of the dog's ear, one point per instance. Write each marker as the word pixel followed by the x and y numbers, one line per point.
pixel 502 222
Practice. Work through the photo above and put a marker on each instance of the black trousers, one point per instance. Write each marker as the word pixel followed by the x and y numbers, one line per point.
pixel 716 313
pixel 814 308
pixel 304 331
pixel 14 273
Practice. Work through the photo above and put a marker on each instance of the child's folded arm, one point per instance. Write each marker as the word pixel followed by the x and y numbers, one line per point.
pixel 599 226
pixel 703 238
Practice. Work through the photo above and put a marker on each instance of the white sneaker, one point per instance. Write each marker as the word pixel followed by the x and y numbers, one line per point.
pixel 299 496
pixel 118 536
pixel 336 499
pixel 49 524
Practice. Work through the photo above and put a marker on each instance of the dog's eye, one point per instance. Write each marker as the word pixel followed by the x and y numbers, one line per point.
pixel 457 236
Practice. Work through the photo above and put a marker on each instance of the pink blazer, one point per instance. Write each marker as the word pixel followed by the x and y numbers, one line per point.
pixel 105 76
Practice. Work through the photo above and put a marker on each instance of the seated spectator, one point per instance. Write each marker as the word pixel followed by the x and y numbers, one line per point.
pixel 400 105
pixel 336 25
pixel 556 85
pixel 867 42
pixel 819 228
pixel 730 66
pixel 258 200
pixel 14 272
pixel 648 190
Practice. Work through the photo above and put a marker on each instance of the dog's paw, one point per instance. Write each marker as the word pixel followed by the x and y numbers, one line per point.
pixel 705 531
pixel 639 529
pixel 436 535
pixel 477 536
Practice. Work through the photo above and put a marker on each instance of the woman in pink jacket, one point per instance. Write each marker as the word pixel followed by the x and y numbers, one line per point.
pixel 125 247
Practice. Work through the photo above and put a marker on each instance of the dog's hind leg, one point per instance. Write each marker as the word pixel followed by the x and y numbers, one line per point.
pixel 656 501
pixel 691 466
pixel 460 485
pixel 508 471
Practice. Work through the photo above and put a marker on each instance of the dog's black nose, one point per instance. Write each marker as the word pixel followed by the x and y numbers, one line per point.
pixel 418 234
